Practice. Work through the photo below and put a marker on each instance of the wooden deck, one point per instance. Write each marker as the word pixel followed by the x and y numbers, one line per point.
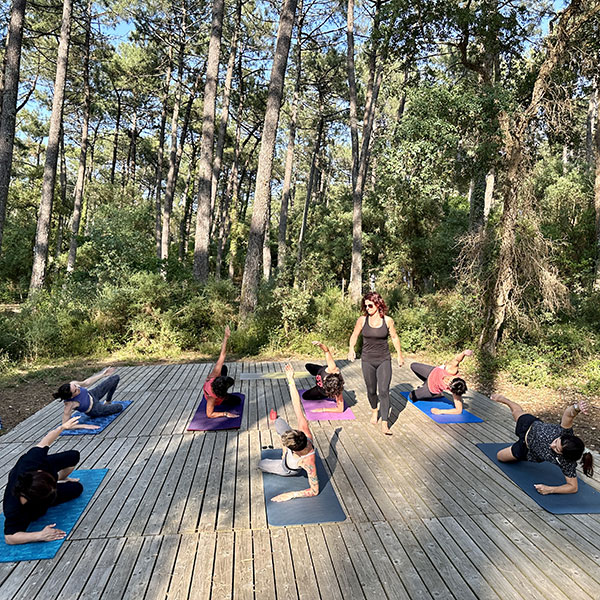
pixel 181 515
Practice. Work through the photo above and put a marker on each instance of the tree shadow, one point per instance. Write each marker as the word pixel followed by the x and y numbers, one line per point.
pixel 331 457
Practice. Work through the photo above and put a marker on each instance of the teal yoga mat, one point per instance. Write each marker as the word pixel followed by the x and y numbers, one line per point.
pixel 64 515
pixel 525 474
pixel 102 422
pixel 425 406
pixel 324 508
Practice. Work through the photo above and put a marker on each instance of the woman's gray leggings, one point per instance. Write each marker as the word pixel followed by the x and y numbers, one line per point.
pixel 278 466
pixel 378 376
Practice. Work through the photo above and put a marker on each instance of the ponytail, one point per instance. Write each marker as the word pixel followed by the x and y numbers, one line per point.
pixel 587 462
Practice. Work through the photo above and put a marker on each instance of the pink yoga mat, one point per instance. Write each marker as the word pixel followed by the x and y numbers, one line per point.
pixel 201 422
pixel 311 415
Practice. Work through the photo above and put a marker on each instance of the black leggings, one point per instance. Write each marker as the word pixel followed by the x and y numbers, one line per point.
pixel 315 392
pixel 65 490
pixel 422 371
pixel 378 376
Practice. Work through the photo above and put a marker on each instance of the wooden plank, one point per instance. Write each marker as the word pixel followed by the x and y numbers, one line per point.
pixel 203 571
pixel 264 574
pixel 102 570
pixel 241 514
pixel 181 574
pixel 342 564
pixel 322 565
pixel 210 506
pixel 124 567
pixel 258 512
pixel 222 583
pixel 285 578
pixel 159 582
pixel 306 581
pixel 243 576
pixel 228 485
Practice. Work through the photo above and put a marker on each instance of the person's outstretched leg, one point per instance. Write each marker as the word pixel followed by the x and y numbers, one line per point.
pixel 281 426
pixel 421 370
pixel 64 463
pixel 106 388
pixel 515 408
pixel 370 376
pixel 103 410
pixel 312 368
pixel 423 393
pixel 384 378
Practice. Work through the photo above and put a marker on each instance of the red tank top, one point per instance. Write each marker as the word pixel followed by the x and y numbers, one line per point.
pixel 435 381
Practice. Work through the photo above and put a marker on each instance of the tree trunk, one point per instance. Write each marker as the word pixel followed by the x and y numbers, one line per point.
pixel 40 250
pixel 597 189
pixel 160 157
pixel 375 77
pixel 309 187
pixel 113 166
pixel 592 124
pixel 289 156
pixel 206 145
pixel 488 198
pixel 80 185
pixel 172 175
pixel 10 92
pixel 266 261
pixel 63 197
pixel 352 91
pixel 225 110
pixel 250 279
pixel 188 194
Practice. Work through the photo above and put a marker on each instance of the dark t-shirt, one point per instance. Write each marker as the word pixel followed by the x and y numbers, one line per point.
pixel 18 516
pixel 539 438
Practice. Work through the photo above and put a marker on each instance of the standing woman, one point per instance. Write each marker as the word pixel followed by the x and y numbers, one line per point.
pixel 376 360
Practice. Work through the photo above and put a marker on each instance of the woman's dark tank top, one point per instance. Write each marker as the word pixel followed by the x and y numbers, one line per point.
pixel 375 341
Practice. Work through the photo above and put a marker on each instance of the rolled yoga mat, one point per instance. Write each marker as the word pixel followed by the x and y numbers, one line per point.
pixel 425 406
pixel 324 508
pixel 201 422
pixel 102 422
pixel 311 405
pixel 525 474
pixel 64 515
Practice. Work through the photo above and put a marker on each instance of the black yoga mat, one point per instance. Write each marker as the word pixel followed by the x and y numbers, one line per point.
pixel 324 508
pixel 525 474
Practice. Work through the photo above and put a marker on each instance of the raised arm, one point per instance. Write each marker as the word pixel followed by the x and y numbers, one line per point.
pixel 571 412
pixel 331 366
pixel 354 337
pixel 395 340
pixel 217 368
pixel 452 366
pixel 298 409
pixel 52 436
pixel 91 380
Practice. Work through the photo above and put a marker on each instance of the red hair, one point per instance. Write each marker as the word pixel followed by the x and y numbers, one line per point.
pixel 377 300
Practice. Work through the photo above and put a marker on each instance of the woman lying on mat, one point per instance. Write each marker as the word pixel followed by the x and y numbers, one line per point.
pixel 539 442
pixel 299 451
pixel 216 386
pixel 439 379
pixel 38 481
pixel 329 382
pixel 77 396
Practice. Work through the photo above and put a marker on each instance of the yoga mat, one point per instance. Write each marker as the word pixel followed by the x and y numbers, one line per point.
pixel 525 474
pixel 311 415
pixel 102 422
pixel 201 422
pixel 425 406
pixel 64 515
pixel 324 508
pixel 271 375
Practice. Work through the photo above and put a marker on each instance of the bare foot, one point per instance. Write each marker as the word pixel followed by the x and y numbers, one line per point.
pixel 374 417
pixel 385 429
pixel 68 479
pixel 498 398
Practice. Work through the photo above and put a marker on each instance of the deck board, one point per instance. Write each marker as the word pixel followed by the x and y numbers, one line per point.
pixel 181 515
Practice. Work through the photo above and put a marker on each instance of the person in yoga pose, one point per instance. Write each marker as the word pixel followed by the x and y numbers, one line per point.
pixel 38 481
pixel 376 360
pixel 329 382
pixel 216 385
pixel 539 442
pixel 298 448
pixel 439 379
pixel 77 396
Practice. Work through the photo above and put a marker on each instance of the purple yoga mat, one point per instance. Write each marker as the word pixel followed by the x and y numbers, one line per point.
pixel 201 422
pixel 311 415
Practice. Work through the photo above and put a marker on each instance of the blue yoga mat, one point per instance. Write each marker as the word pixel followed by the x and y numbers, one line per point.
pixel 324 508
pixel 525 474
pixel 102 422
pixel 64 515
pixel 425 406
